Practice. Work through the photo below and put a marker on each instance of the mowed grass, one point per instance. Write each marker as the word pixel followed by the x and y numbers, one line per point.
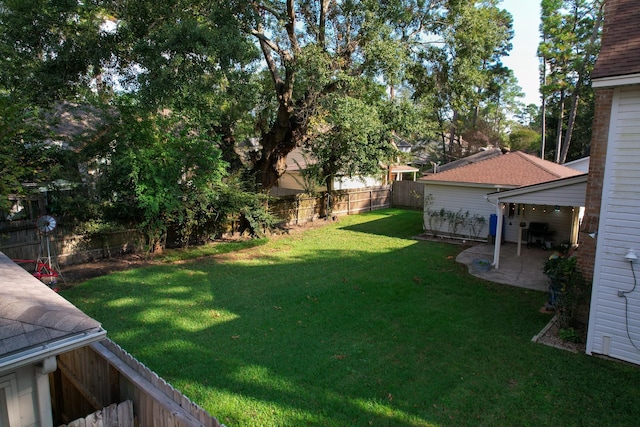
pixel 355 324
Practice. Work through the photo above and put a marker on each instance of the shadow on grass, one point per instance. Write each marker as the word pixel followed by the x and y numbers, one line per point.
pixel 394 223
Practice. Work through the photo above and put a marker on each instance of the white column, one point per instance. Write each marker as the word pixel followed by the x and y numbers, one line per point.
pixel 498 242
pixel 43 392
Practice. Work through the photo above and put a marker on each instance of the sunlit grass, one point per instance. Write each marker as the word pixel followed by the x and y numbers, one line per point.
pixel 355 323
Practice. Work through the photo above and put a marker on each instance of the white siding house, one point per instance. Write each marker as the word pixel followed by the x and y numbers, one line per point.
pixel 454 198
pixel 614 321
pixel 466 189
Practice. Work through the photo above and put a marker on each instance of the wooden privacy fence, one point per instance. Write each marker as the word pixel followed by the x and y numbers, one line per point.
pixel 301 208
pixel 101 374
pixel 408 194
pixel 22 240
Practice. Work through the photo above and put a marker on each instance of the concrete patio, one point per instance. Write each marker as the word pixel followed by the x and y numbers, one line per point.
pixel 524 271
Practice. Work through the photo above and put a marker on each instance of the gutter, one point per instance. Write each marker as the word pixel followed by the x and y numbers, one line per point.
pixel 41 352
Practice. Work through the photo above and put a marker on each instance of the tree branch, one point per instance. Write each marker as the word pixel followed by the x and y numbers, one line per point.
pixel 322 30
pixel 290 26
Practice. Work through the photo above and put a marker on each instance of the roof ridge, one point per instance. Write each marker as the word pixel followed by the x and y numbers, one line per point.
pixel 540 163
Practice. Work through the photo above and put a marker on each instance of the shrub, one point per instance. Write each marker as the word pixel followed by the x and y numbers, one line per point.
pixel 568 288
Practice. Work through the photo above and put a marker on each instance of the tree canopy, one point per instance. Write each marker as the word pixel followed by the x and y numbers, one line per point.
pixel 175 78
pixel 570 31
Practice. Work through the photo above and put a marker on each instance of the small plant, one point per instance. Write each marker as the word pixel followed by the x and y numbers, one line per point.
pixel 435 219
pixel 475 224
pixel 570 334
pixel 456 221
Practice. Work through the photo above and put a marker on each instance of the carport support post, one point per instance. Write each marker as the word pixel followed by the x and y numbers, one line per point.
pixel 498 242
pixel 519 241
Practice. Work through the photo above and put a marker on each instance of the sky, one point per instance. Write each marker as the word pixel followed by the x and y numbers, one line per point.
pixel 523 59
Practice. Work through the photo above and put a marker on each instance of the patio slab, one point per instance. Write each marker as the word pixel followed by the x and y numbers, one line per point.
pixel 524 271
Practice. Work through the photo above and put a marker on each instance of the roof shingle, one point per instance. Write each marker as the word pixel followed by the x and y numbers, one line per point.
pixel 32 315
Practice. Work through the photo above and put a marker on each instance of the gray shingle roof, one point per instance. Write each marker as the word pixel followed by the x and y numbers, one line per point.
pixel 32 315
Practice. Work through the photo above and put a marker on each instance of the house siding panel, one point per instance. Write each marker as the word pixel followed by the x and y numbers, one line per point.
pixel 570 195
pixel 455 198
pixel 613 316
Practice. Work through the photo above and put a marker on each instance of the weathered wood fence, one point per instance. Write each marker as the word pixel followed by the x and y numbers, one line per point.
pixel 115 415
pixel 408 194
pixel 101 374
pixel 301 208
pixel 22 240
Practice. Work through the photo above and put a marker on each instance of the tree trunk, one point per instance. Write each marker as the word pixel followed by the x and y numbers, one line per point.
pixel 328 197
pixel 559 127
pixel 452 135
pixel 282 139
pixel 575 97
pixel 227 145
pixel 543 125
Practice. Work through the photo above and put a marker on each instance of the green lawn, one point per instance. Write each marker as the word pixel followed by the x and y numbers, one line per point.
pixel 355 323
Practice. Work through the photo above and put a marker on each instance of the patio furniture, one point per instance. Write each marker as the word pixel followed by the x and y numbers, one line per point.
pixel 538 234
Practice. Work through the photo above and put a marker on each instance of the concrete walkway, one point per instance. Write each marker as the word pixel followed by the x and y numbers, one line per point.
pixel 524 271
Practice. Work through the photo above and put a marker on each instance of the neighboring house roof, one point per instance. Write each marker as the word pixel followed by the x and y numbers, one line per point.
pixel 473 158
pixel 299 159
pixel 401 144
pixel 581 165
pixel 620 48
pixel 508 170
pixel 36 322
pixel 403 168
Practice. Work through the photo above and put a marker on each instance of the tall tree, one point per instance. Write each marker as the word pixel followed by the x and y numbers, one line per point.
pixel 455 74
pixel 188 56
pixel 571 38
pixel 51 49
pixel 315 48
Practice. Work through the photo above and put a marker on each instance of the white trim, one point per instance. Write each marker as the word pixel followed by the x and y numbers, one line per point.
pixel 43 394
pixel 606 188
pixel 561 182
pixel 42 352
pixel 629 79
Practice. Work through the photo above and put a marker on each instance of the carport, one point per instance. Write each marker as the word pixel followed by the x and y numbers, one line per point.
pixel 561 199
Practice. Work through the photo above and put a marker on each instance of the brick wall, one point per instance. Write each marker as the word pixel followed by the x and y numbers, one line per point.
pixel 598 153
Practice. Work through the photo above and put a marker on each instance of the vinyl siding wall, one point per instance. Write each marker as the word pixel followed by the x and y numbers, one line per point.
pixel 614 324
pixel 455 198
